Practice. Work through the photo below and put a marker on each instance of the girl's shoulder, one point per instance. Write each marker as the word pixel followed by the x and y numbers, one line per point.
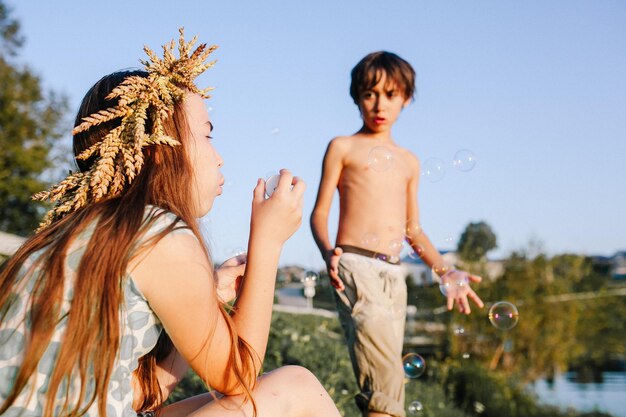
pixel 158 221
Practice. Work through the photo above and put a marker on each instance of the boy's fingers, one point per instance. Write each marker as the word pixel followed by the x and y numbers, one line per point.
pixel 475 278
pixel 466 307
pixel 337 284
pixel 476 299
pixel 450 302
pixel 337 251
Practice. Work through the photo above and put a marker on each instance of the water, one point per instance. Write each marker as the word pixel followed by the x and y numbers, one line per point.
pixel 608 396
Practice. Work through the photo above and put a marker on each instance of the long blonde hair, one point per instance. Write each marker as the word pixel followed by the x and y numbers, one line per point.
pixel 91 339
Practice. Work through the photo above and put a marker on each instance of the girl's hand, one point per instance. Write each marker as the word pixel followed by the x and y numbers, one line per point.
pixel 229 276
pixel 276 218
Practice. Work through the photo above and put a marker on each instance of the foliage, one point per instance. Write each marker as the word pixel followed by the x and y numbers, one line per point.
pixel 10 38
pixel 29 126
pixel 478 391
pixel 556 330
pixel 476 240
pixel 448 389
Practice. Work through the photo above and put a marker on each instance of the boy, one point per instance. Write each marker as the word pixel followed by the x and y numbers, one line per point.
pixel 377 182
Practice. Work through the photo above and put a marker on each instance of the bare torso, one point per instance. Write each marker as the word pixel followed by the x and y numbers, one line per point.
pixel 373 194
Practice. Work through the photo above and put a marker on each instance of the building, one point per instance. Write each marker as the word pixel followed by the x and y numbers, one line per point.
pixel 618 265
pixel 422 275
pixel 9 244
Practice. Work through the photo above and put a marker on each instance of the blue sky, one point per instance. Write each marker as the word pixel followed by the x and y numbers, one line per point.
pixel 536 90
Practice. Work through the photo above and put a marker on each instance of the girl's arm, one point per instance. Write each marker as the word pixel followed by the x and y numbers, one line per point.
pixel 178 282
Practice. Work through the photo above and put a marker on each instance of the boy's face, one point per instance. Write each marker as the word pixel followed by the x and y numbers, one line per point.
pixel 381 105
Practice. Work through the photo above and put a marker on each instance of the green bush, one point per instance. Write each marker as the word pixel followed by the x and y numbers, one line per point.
pixel 448 389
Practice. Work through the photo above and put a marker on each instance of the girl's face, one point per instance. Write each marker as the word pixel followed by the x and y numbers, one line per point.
pixel 206 162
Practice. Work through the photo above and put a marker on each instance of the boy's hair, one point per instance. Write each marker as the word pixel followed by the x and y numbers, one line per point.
pixel 369 71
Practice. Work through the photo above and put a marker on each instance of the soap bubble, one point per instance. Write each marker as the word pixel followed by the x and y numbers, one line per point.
pixel 508 345
pixel 454 284
pixel 412 230
pixel 464 160
pixel 503 315
pixel 466 355
pixel 414 365
pixel 479 407
pixel 415 408
pixel 433 169
pixel 271 183
pixel 395 246
pixel 398 311
pixel 310 277
pixel 417 252
pixel 274 131
pixel 370 240
pixel 380 158
pixel 231 252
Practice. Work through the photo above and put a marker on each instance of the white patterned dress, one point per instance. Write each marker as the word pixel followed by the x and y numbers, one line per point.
pixel 140 329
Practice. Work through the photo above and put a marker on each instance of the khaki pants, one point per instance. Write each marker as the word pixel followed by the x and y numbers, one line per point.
pixel 372 312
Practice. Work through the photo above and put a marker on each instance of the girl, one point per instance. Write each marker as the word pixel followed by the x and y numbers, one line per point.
pixel 120 260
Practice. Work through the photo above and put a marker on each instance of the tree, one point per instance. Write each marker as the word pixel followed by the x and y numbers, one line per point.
pixel 477 239
pixel 30 122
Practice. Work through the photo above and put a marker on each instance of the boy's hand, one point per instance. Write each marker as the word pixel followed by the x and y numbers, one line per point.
pixel 332 263
pixel 455 286
pixel 229 276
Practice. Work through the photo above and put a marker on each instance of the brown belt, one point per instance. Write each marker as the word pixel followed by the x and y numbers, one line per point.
pixel 390 259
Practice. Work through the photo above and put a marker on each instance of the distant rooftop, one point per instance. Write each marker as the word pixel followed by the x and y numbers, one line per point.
pixel 9 243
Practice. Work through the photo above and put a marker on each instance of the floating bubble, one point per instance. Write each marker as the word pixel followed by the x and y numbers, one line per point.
pixel 417 252
pixel 380 158
pixel 440 270
pixel 448 239
pixel 309 277
pixel 370 240
pixel 395 246
pixel 275 131
pixel 414 365
pixel 479 407
pixel 459 331
pixel 466 355
pixel 508 345
pixel 454 284
pixel 412 230
pixel 464 160
pixel 503 315
pixel 271 183
pixel 398 311
pixel 415 408
pixel 234 251
pixel 433 169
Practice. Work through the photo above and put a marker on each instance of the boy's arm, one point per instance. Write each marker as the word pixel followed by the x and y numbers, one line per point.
pixel 422 245
pixel 331 171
